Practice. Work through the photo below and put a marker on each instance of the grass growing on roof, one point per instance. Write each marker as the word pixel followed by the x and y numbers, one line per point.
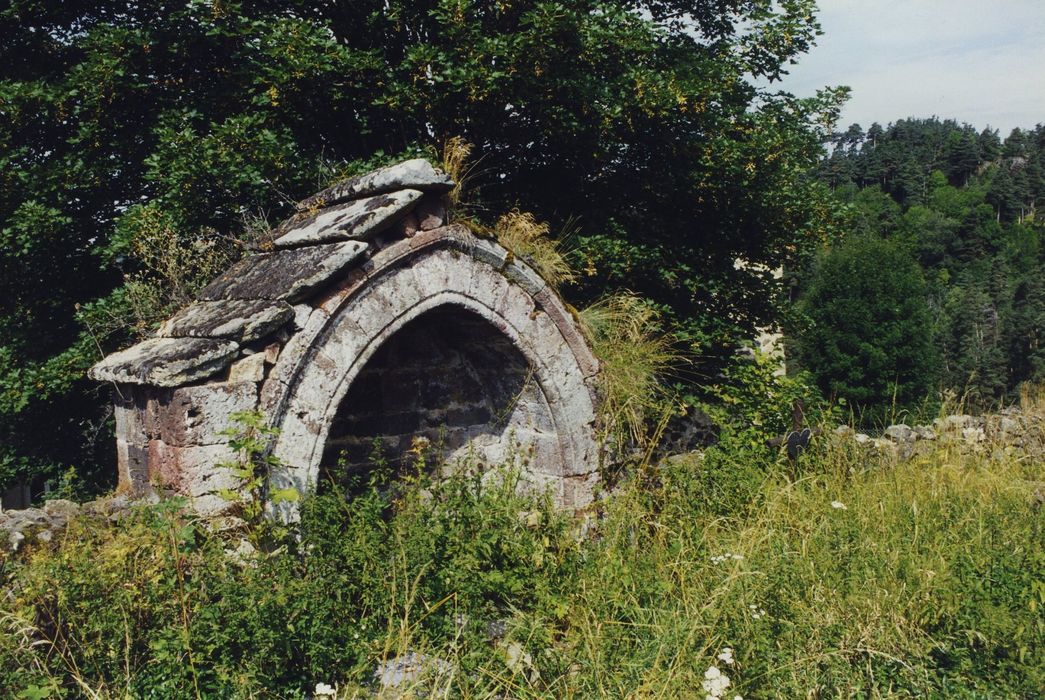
pixel 529 240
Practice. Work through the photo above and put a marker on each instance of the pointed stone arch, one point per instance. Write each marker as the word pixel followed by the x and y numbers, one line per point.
pixel 447 268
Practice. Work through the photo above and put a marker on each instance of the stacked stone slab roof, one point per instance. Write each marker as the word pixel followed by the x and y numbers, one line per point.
pixel 244 308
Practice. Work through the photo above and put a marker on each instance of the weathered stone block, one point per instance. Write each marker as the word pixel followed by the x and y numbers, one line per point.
pixel 289 275
pixel 242 320
pixel 132 463
pixel 407 227
pixel 166 362
pixel 250 369
pixel 571 333
pixel 430 213
pixel 362 218
pixel 129 408
pixel 416 174
pixel 190 470
pixel 525 277
pixel 197 415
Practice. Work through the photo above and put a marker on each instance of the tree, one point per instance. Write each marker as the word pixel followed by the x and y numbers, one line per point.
pixel 964 156
pixel 972 227
pixel 1025 329
pixel 971 337
pixel 869 339
pixel 128 128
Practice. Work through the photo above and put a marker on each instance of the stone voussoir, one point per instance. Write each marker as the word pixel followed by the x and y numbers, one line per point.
pixel 242 320
pixel 416 174
pixel 166 362
pixel 358 219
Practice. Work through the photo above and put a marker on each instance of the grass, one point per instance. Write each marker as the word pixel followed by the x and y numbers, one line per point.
pixel 635 355
pixel 851 579
pixel 529 239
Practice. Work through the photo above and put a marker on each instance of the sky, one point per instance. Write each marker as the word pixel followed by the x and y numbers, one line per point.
pixel 977 61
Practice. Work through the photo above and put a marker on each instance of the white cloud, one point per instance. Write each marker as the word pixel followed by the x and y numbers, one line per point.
pixel 971 60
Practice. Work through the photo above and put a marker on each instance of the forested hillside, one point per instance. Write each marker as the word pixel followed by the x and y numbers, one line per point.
pixel 963 205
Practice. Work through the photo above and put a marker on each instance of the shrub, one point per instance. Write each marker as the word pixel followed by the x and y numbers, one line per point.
pixel 870 339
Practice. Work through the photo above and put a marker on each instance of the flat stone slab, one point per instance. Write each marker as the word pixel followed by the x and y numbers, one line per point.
pixel 166 362
pixel 242 320
pixel 361 218
pixel 286 275
pixel 416 174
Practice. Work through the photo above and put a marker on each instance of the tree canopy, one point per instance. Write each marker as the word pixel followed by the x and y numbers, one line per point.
pixel 963 204
pixel 134 135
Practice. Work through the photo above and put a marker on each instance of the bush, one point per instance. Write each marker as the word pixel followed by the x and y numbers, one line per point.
pixel 870 339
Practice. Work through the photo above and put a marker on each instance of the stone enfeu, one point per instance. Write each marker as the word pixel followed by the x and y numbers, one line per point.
pixel 375 317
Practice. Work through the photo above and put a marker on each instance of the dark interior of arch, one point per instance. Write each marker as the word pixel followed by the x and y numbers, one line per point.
pixel 451 378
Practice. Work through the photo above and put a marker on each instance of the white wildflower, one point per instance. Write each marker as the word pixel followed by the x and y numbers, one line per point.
pixel 726 656
pixel 715 682
pixel 838 505
pixel 324 691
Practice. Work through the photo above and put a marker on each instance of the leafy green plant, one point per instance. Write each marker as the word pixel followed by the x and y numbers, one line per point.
pixel 250 439
pixel 755 399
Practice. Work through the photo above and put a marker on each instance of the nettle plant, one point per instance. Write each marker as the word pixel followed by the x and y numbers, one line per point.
pixel 249 438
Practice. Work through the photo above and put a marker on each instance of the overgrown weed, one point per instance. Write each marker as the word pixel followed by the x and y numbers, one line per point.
pixel 636 356
pixel 860 577
pixel 529 239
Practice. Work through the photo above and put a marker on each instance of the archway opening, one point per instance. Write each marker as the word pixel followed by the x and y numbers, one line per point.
pixel 448 382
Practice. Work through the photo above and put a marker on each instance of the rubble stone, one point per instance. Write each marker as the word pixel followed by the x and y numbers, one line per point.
pixel 900 433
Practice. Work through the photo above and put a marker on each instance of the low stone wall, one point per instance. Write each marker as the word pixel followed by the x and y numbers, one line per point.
pixel 1011 430
pixel 42 525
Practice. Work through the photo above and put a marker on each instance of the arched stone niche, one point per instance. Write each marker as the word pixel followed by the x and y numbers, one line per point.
pixel 372 318
pixel 448 382
pixel 525 379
